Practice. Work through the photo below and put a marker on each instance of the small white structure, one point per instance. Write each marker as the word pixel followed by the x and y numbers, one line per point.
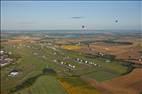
pixel 1 52
pixel 3 64
pixel 73 66
pixel 69 65
pixel 13 73
pixel 8 59
pixel 62 62
pixel 95 64
pixel 140 59
pixel 101 54
pixel 77 59
pixel 86 62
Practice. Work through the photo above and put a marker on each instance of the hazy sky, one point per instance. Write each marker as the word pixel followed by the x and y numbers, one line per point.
pixel 37 15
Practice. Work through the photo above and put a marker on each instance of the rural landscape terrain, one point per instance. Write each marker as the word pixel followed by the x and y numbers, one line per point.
pixel 71 47
pixel 71 62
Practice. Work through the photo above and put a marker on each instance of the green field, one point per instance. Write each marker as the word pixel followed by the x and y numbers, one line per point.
pixel 44 85
pixel 35 57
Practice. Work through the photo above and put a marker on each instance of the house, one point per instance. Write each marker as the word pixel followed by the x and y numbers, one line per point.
pixel 1 52
pixel 9 53
pixel 77 59
pixel 86 62
pixel 95 64
pixel 73 66
pixel 62 62
pixel 8 59
pixel 69 65
pixel 13 73
pixel 3 63
pixel 100 54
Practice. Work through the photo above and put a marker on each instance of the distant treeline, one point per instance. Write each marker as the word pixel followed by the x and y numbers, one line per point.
pixel 108 41
pixel 105 56
pixel 117 42
pixel 129 67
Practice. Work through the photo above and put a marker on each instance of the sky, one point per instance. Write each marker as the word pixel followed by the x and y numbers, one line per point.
pixel 47 15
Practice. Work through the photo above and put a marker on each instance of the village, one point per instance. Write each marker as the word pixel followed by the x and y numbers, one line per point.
pixel 5 58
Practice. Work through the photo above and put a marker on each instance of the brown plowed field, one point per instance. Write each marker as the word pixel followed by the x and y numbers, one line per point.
pixel 128 84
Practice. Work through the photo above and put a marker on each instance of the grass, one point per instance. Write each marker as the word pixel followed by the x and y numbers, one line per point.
pixel 44 85
pixel 27 83
pixel 32 65
pixel 101 75
pixel 111 69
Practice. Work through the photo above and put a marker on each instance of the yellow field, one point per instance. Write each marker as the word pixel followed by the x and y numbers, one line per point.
pixel 78 89
pixel 71 47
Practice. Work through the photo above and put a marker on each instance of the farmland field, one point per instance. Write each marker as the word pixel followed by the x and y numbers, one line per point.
pixel 45 85
pixel 34 57
pixel 62 66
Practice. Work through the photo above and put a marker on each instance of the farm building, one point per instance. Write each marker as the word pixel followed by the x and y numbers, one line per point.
pixel 13 73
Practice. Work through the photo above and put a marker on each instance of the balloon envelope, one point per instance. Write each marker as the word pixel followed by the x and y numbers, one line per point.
pixel 83 26
pixel 116 21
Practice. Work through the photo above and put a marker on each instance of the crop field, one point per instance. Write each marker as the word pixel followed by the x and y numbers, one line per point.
pixel 130 83
pixel 74 85
pixel 34 57
pixel 71 47
pixel 44 85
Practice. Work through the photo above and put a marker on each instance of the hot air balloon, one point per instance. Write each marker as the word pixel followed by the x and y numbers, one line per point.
pixel 83 26
pixel 116 21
